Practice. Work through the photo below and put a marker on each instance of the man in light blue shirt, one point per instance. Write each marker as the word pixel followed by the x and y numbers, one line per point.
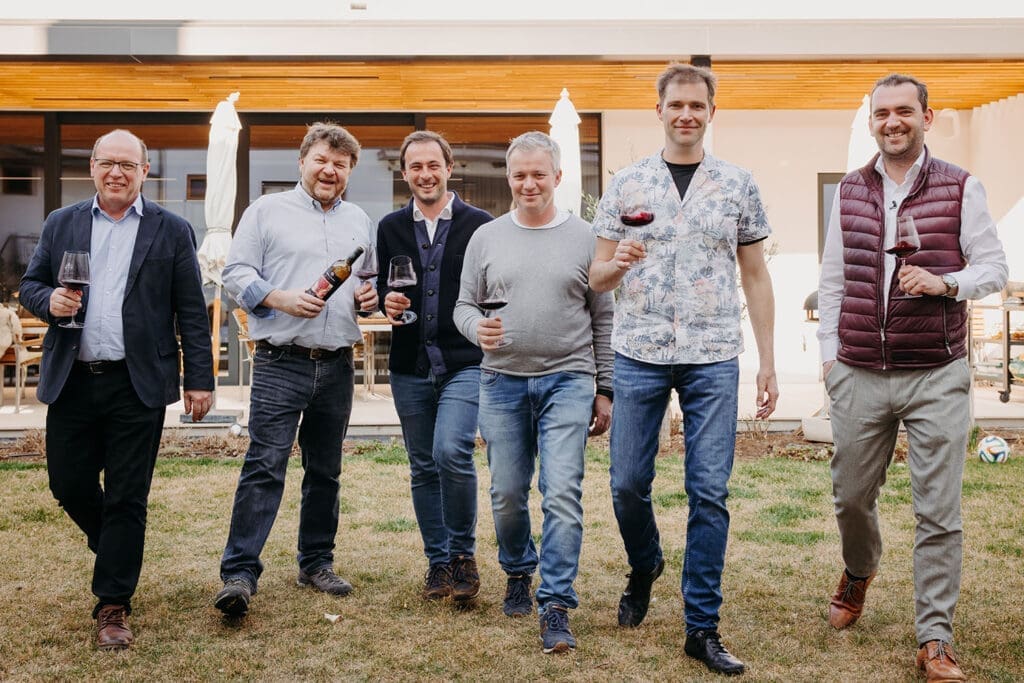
pixel 302 364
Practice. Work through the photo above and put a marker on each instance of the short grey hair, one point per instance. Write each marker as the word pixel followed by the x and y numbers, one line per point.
pixel 535 141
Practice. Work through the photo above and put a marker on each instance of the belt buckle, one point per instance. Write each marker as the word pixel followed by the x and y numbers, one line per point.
pixel 95 367
pixel 317 354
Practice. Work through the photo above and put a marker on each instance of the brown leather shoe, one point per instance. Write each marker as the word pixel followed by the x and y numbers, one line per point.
pixel 848 602
pixel 938 662
pixel 113 632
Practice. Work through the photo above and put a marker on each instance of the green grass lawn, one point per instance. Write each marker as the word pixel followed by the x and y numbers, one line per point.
pixel 783 562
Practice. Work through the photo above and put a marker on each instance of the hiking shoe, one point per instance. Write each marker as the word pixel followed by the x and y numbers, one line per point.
pixel 233 598
pixel 325 580
pixel 465 578
pixel 554 630
pixel 637 597
pixel 518 602
pixel 437 584
pixel 706 646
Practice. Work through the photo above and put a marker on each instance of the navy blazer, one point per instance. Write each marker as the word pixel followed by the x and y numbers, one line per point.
pixel 163 288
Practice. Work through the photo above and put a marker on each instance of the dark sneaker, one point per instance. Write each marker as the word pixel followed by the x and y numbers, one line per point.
pixel 325 580
pixel 518 602
pixel 437 584
pixel 637 597
pixel 707 647
pixel 465 579
pixel 554 630
pixel 233 598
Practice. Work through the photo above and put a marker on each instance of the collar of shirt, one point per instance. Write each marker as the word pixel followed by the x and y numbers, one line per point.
pixel 136 206
pixel 561 216
pixel 908 181
pixel 313 201
pixel 431 225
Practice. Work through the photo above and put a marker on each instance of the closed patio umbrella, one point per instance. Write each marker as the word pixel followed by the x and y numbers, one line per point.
pixel 565 129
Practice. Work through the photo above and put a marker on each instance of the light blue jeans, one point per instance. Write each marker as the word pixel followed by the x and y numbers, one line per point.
pixel 707 397
pixel 523 418
pixel 438 416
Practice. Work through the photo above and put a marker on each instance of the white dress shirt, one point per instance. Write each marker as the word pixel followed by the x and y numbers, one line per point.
pixel 431 225
pixel 986 272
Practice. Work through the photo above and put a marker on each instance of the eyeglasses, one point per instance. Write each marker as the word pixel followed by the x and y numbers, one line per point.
pixel 125 166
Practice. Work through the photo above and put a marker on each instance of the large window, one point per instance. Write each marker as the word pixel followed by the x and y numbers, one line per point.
pixel 21 196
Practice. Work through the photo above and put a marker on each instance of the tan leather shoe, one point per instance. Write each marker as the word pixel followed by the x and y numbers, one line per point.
pixel 938 662
pixel 112 628
pixel 848 602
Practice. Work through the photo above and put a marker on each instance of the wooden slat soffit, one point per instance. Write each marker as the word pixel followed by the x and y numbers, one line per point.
pixel 473 86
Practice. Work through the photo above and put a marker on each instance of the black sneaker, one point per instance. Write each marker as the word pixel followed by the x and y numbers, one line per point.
pixel 554 630
pixel 707 647
pixel 637 597
pixel 465 579
pixel 233 598
pixel 518 602
pixel 325 580
pixel 437 584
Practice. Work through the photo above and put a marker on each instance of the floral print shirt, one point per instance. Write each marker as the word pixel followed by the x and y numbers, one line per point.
pixel 680 304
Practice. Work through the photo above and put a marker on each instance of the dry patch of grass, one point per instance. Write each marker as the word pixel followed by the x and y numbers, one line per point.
pixel 783 560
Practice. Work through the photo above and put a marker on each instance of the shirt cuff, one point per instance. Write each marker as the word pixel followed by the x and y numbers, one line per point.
pixel 829 350
pixel 607 393
pixel 253 296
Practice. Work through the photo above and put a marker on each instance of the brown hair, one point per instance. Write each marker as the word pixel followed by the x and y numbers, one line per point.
pixel 894 80
pixel 426 136
pixel 687 73
pixel 336 137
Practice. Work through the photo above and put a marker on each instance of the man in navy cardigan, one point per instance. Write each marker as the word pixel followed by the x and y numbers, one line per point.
pixel 435 371
pixel 108 384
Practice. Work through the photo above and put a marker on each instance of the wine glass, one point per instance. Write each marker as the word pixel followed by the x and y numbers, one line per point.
pixel 492 295
pixel 907 243
pixel 74 275
pixel 635 213
pixel 367 271
pixel 402 278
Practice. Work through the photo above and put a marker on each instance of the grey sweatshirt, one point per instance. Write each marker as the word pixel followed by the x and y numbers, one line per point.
pixel 555 321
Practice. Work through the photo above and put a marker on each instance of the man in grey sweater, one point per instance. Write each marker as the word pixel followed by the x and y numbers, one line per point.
pixel 537 387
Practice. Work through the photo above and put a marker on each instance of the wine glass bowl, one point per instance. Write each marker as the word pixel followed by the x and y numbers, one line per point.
pixel 74 275
pixel 907 243
pixel 635 213
pixel 402 278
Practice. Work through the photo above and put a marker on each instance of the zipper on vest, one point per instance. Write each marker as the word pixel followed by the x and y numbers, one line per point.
pixel 883 346
pixel 945 333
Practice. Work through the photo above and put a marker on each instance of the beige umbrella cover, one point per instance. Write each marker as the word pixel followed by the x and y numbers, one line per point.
pixel 565 129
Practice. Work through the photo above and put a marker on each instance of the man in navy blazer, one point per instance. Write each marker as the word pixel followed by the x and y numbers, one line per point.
pixel 108 383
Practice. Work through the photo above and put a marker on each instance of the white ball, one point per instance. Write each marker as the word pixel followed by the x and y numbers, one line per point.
pixel 235 429
pixel 993 449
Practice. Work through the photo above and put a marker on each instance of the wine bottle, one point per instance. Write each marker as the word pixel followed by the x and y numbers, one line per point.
pixel 334 276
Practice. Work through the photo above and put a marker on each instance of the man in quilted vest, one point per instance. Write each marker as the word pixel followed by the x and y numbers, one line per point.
pixel 893 345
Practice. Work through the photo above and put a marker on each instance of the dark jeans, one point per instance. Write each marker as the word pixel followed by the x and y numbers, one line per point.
pixel 438 416
pixel 707 397
pixel 98 424
pixel 286 388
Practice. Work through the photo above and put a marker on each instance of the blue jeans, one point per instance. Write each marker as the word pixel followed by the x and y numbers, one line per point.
pixel 438 416
pixel 707 397
pixel 522 418
pixel 285 388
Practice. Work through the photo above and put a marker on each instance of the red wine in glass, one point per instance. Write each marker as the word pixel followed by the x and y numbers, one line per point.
pixel 74 275
pixel 402 278
pixel 635 219
pixel 366 271
pixel 492 295
pixel 908 242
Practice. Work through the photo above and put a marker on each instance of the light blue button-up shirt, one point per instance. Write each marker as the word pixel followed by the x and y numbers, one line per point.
pixel 110 257
pixel 285 241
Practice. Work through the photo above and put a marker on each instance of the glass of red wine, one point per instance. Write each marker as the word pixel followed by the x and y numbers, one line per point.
pixel 366 271
pixel 635 213
pixel 492 295
pixel 402 278
pixel 74 275
pixel 907 242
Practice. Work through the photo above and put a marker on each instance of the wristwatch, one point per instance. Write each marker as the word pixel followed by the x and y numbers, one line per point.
pixel 952 286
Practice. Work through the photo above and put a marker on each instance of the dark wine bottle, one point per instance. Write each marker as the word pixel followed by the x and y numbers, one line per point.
pixel 339 271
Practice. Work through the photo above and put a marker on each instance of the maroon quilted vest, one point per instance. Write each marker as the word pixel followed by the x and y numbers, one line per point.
pixel 925 332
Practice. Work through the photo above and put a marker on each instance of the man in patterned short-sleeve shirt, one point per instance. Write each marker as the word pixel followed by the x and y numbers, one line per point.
pixel 671 230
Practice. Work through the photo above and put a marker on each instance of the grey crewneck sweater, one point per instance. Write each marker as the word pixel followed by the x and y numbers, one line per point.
pixel 555 321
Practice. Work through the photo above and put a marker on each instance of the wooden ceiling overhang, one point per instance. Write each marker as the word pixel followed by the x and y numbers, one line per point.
pixel 473 85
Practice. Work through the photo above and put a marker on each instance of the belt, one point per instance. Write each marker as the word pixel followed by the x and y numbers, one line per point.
pixel 98 367
pixel 302 351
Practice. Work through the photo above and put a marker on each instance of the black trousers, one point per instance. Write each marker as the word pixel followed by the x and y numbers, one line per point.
pixel 98 424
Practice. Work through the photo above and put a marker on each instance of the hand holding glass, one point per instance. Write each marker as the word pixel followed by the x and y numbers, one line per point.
pixel 367 271
pixel 492 295
pixel 635 213
pixel 402 278
pixel 907 243
pixel 74 275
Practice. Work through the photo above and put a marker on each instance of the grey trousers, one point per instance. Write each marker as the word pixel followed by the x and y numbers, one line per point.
pixel 867 407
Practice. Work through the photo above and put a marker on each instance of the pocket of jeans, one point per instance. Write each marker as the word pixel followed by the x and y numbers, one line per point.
pixel 263 355
pixel 488 377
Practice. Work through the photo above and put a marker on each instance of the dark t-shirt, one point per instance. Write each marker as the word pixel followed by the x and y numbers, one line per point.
pixel 682 174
